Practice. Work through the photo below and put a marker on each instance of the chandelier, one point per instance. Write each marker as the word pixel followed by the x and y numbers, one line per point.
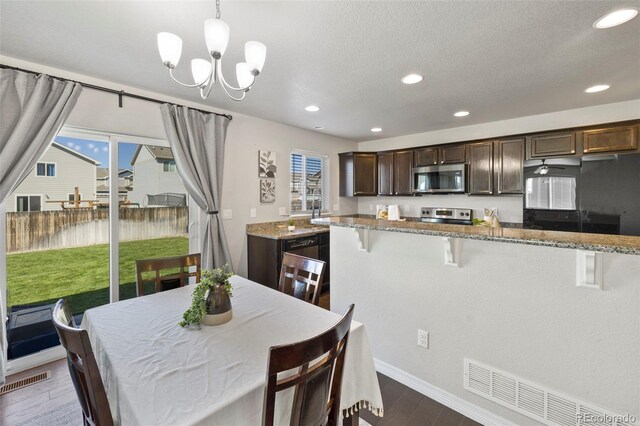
pixel 206 73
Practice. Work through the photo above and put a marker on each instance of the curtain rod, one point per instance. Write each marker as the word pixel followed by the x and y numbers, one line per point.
pixel 120 93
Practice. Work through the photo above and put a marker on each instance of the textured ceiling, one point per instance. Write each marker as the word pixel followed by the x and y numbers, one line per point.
pixel 498 60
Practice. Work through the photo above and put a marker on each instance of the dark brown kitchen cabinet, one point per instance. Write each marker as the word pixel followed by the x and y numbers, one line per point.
pixel 425 157
pixel 385 173
pixel 612 139
pixel 453 154
pixel 403 172
pixel 358 173
pixel 480 168
pixel 552 145
pixel 509 163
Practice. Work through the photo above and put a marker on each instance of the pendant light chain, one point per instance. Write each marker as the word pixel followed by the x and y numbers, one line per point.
pixel 217 9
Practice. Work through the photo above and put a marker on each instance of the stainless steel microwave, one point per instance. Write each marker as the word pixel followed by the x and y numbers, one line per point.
pixel 434 179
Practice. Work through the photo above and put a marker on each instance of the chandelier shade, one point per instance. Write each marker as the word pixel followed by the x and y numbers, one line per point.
pixel 207 73
pixel 255 53
pixel 170 47
pixel 216 34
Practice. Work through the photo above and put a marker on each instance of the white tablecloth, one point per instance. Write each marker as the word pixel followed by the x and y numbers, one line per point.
pixel 157 373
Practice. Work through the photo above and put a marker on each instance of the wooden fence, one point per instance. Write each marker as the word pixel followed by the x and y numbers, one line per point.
pixel 29 231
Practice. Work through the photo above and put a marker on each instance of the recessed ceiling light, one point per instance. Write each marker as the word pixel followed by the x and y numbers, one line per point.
pixel 615 18
pixel 312 108
pixel 411 79
pixel 461 113
pixel 318 127
pixel 597 88
pixel 376 129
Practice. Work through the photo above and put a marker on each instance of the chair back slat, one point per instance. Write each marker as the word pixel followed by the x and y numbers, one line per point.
pixel 82 367
pixel 301 277
pixel 183 263
pixel 319 362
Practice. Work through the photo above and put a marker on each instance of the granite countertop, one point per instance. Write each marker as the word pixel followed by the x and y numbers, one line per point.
pixel 574 240
pixel 279 231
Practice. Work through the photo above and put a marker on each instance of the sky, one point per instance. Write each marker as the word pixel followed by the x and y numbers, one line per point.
pixel 99 151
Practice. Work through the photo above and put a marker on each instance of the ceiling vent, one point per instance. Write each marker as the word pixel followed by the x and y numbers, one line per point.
pixel 535 401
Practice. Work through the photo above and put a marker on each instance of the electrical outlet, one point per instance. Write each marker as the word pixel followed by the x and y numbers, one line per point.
pixel 423 338
pixel 336 207
pixel 227 214
pixel 254 213
pixel 282 211
pixel 370 207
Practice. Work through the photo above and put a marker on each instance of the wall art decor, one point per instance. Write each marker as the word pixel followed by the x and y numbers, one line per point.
pixel 267 166
pixel 267 190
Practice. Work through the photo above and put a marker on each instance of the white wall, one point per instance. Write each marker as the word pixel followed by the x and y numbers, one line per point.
pixel 245 136
pixel 512 306
pixel 510 207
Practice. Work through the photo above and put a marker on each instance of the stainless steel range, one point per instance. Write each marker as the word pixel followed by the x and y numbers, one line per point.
pixel 446 215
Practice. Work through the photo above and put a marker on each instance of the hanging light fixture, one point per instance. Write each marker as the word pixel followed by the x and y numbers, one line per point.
pixel 206 73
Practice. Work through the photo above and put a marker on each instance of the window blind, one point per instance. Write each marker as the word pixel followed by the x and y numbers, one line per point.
pixel 309 182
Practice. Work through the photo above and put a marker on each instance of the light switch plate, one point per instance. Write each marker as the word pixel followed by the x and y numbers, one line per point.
pixel 227 214
pixel 254 213
pixel 336 207
pixel 282 211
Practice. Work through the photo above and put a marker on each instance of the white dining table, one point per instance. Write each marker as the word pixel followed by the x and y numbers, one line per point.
pixel 158 373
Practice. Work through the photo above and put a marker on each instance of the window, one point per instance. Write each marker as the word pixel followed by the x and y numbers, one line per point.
pixel 169 166
pixel 309 182
pixel 72 197
pixel 46 169
pixel 28 203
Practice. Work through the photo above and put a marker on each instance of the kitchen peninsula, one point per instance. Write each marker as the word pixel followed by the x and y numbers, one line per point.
pixel 523 301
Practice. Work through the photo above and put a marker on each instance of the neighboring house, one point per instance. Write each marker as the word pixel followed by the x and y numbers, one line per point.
pixel 157 182
pixel 125 184
pixel 57 173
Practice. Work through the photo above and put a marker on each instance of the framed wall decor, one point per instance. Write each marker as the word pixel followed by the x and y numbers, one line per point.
pixel 267 190
pixel 267 166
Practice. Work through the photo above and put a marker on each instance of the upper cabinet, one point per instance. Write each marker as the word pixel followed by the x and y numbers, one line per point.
pixel 557 144
pixel 509 164
pixel 385 173
pixel 447 154
pixel 480 168
pixel 452 154
pixel 403 172
pixel 612 139
pixel 358 173
pixel 395 173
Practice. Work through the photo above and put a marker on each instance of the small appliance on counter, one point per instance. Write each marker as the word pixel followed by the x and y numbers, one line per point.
pixel 446 215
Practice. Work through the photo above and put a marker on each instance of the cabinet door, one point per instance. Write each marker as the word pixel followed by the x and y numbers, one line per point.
pixel 552 145
pixel 453 154
pixel 425 157
pixel 510 163
pixel 385 173
pixel 610 140
pixel 365 174
pixel 402 173
pixel 481 168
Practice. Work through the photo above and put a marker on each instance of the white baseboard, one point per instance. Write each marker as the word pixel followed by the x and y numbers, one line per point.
pixel 456 403
pixel 39 358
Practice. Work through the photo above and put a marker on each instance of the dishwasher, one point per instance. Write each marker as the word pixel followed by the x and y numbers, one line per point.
pixel 303 246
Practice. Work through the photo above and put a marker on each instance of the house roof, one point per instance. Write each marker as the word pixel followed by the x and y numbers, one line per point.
pixel 102 173
pixel 160 153
pixel 75 153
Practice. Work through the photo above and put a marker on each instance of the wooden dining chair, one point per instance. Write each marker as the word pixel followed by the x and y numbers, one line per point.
pixel 301 277
pixel 82 367
pixel 316 399
pixel 173 280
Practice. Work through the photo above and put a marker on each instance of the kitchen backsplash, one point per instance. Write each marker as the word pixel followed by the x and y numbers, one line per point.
pixel 509 206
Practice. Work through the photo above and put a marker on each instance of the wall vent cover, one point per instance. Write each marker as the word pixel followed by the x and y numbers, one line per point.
pixel 535 401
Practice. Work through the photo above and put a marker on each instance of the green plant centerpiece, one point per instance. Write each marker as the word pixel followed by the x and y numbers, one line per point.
pixel 291 224
pixel 211 303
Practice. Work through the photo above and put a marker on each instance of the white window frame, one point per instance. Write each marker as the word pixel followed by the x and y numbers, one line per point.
pixel 169 163
pixel 45 175
pixel 326 189
pixel 41 196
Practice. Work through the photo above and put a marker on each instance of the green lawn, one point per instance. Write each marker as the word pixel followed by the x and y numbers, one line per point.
pixel 81 275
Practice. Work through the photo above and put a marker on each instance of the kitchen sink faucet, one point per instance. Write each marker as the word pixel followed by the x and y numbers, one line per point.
pixel 313 204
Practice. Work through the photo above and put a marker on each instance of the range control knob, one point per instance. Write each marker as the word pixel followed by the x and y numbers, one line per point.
pixel 466 214
pixel 461 214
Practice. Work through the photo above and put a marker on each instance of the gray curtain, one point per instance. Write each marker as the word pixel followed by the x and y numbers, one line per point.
pixel 197 141
pixel 32 110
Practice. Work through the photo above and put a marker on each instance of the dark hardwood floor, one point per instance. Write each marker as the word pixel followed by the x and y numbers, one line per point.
pixel 405 407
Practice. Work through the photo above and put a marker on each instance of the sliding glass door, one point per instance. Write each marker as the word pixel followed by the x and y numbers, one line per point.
pixel 94 204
